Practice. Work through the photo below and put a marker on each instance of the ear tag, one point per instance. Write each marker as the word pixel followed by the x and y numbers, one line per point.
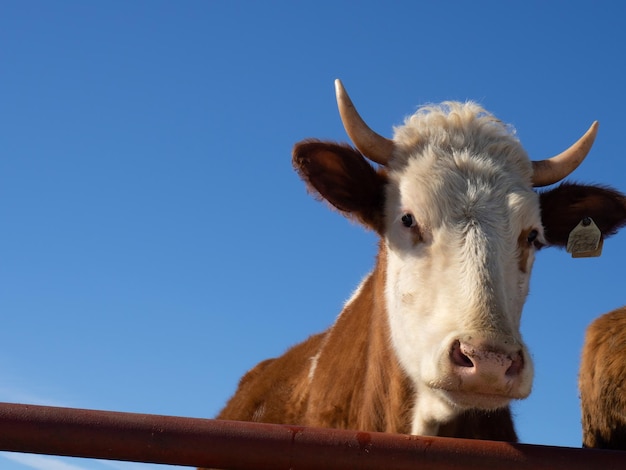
pixel 585 240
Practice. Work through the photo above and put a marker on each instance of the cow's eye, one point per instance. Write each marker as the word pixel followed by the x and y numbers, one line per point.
pixel 410 223
pixel 408 220
pixel 532 236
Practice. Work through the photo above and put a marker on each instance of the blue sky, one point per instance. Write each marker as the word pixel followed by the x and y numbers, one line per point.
pixel 156 242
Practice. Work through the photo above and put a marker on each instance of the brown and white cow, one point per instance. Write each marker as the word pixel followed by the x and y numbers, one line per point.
pixel 602 382
pixel 429 343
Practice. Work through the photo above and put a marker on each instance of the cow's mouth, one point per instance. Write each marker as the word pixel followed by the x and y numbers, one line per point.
pixel 477 400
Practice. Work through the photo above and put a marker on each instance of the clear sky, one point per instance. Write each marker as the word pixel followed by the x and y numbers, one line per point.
pixel 156 242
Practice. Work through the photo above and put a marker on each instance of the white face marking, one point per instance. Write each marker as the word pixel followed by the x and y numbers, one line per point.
pixel 462 272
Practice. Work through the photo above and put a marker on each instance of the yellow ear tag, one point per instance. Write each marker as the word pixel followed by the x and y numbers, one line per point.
pixel 585 240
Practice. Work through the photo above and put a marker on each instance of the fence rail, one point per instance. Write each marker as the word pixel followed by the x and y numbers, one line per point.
pixel 238 445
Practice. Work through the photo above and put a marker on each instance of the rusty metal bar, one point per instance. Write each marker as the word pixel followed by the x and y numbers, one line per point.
pixel 237 445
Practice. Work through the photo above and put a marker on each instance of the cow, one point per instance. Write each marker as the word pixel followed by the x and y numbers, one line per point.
pixel 602 382
pixel 429 343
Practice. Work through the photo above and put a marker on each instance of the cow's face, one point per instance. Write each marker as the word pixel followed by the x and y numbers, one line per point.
pixel 462 224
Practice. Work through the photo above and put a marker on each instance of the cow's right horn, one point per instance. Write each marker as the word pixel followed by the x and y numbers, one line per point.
pixel 553 170
pixel 374 146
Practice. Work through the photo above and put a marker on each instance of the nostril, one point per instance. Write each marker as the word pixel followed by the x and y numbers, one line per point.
pixel 517 364
pixel 459 358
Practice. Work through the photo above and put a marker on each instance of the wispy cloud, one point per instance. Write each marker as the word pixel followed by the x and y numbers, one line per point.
pixel 40 462
pixel 45 462
pixel 11 395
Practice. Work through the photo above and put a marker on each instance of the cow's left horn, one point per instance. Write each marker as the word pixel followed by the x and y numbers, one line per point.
pixel 553 170
pixel 374 146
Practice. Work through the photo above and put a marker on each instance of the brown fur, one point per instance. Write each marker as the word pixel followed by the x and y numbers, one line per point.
pixel 524 249
pixel 602 382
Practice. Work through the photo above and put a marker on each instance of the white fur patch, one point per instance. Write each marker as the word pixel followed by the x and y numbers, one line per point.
pixel 257 416
pixel 313 365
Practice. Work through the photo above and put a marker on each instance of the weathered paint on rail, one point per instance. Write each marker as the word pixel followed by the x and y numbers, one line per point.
pixel 241 446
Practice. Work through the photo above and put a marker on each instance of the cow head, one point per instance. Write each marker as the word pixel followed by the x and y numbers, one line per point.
pixel 454 204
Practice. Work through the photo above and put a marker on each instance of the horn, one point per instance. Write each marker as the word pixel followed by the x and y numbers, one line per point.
pixel 374 146
pixel 553 170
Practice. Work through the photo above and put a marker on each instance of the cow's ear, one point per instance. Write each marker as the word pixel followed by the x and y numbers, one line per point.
pixel 341 175
pixel 563 207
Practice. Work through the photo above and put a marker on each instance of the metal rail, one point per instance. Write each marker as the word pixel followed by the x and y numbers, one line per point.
pixel 238 445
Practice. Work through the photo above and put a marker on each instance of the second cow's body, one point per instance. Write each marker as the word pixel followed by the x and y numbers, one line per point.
pixel 602 382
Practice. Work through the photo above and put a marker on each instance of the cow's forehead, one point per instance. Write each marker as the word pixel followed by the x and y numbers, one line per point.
pixel 461 138
pixel 458 176
pixel 458 155
pixel 456 162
